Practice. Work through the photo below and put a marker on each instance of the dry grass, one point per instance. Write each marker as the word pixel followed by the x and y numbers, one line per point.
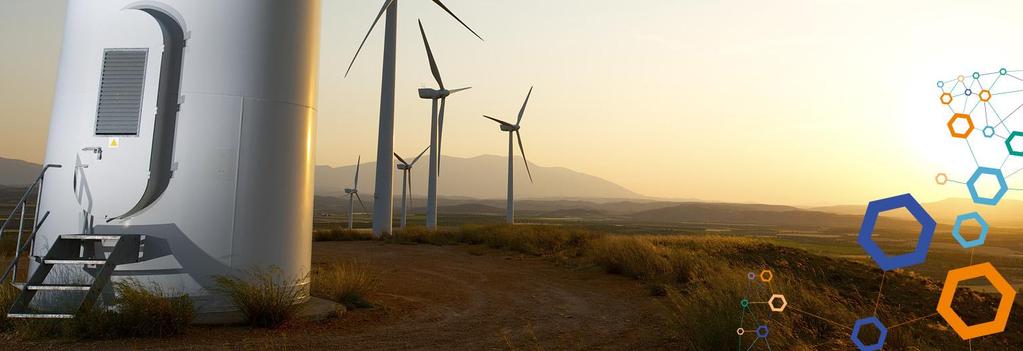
pixel 339 234
pixel 265 297
pixel 7 295
pixel 702 278
pixel 344 282
pixel 140 310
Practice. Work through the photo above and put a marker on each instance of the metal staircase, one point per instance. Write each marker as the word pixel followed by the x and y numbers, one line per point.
pixel 87 250
pixel 99 256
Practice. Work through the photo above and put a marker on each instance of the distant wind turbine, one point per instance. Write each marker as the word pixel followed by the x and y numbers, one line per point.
pixel 353 193
pixel 382 206
pixel 406 183
pixel 436 131
pixel 513 133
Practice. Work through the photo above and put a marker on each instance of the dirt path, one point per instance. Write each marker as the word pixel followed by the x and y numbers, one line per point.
pixel 447 298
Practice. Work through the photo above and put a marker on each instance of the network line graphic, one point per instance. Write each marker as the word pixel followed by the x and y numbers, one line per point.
pixel 981 114
pixel 981 108
pixel 751 324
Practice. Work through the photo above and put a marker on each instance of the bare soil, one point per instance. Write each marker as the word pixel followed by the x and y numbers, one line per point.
pixel 452 298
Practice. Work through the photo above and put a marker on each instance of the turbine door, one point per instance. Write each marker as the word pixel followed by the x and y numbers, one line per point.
pixel 126 163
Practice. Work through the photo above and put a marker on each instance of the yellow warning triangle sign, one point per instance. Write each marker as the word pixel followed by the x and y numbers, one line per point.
pixel 114 143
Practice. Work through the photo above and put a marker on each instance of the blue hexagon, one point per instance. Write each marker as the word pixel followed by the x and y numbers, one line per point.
pixel 969 244
pixel 1002 186
pixel 762 331
pixel 989 132
pixel 927 225
pixel 880 340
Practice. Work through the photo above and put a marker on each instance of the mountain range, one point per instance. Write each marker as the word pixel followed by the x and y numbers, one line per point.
pixel 480 177
pixel 477 185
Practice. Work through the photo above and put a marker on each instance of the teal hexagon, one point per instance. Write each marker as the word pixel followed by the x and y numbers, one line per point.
pixel 1008 144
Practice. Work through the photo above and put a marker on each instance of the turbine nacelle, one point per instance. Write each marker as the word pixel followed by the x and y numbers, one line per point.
pixel 350 191
pixel 509 128
pixel 402 167
pixel 433 94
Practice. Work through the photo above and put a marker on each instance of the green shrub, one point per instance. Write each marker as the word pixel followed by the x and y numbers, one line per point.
pixel 344 282
pixel 266 298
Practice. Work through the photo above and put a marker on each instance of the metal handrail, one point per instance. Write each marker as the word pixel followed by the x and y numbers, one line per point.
pixel 22 204
pixel 13 266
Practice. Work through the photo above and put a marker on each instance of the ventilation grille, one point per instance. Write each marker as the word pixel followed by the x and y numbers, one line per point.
pixel 120 92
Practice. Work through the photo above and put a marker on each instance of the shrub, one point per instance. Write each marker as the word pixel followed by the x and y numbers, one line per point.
pixel 139 311
pixel 629 256
pixel 7 295
pixel 266 298
pixel 421 235
pixel 344 282
pixel 339 234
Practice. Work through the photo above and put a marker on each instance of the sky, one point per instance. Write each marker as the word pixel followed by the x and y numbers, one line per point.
pixel 788 102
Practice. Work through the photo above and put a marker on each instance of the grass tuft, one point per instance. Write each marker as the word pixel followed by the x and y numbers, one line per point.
pixel 140 310
pixel 265 298
pixel 344 282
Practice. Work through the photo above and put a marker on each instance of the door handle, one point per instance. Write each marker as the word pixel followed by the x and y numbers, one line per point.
pixel 98 151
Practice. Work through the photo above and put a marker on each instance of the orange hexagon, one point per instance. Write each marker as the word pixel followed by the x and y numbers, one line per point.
pixel 766 276
pixel 984 95
pixel 952 122
pixel 989 272
pixel 946 98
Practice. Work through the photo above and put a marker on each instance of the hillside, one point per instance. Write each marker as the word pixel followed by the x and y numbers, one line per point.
pixel 483 177
pixel 17 172
pixel 1006 214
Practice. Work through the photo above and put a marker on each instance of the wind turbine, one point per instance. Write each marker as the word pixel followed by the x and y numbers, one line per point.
pixel 353 193
pixel 406 183
pixel 382 206
pixel 436 131
pixel 513 133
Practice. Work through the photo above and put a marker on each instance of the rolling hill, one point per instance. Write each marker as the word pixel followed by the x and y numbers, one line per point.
pixel 481 177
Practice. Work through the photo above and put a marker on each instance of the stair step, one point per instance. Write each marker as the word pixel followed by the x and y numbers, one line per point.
pixel 41 315
pixel 57 287
pixel 78 261
pixel 90 237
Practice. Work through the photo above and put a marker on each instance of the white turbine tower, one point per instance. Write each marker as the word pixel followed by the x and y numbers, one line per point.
pixel 382 207
pixel 513 133
pixel 406 183
pixel 353 193
pixel 436 131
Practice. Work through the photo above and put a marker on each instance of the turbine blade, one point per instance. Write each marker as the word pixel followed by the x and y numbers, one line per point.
pixel 440 133
pixel 458 90
pixel 400 159
pixel 523 110
pixel 456 18
pixel 417 157
pixel 497 120
pixel 361 204
pixel 429 55
pixel 381 14
pixel 358 164
pixel 523 150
